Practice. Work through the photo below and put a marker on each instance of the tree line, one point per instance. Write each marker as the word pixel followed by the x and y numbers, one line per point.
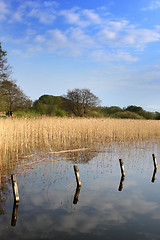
pixel 63 106
pixel 76 102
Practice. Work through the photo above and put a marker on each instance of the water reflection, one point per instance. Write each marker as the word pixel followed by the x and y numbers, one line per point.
pixel 121 183
pixel 4 191
pixel 14 214
pixel 76 196
pixel 48 205
pixel 82 157
pixel 154 175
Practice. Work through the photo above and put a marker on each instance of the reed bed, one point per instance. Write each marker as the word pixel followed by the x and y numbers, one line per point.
pixel 20 136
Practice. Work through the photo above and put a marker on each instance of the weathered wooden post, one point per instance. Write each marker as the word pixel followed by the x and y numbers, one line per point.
pixel 15 188
pixel 154 161
pixel 77 175
pixel 122 167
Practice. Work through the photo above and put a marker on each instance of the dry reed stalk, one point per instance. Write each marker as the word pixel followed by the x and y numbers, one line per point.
pixel 20 136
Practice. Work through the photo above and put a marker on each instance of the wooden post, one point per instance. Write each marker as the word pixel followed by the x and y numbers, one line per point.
pixel 77 175
pixel 122 167
pixel 154 161
pixel 15 188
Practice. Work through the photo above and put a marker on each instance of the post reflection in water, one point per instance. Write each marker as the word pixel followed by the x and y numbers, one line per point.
pixel 154 176
pixel 14 214
pixel 121 183
pixel 55 211
pixel 76 196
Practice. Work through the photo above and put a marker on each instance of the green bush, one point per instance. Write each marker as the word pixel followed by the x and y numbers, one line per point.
pixel 106 111
pixel 147 115
pixel 58 113
pixel 95 114
pixel 127 114
pixel 25 114
pixel 140 111
pixel 40 108
pixel 157 116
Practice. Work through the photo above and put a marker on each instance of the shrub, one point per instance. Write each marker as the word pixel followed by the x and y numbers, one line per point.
pixel 106 111
pixel 127 114
pixel 26 114
pixel 58 113
pixel 95 114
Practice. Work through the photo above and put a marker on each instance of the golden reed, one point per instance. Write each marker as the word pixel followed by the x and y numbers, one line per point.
pixel 20 136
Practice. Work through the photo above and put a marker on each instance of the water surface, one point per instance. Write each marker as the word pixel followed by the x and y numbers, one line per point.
pixel 105 207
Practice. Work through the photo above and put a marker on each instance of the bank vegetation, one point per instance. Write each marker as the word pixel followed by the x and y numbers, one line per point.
pixel 22 136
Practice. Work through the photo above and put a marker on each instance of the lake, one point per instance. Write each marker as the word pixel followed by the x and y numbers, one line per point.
pixel 105 207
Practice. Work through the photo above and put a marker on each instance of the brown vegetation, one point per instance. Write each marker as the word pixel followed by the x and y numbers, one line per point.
pixel 20 136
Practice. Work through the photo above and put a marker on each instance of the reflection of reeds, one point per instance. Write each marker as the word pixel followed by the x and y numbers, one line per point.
pixel 19 136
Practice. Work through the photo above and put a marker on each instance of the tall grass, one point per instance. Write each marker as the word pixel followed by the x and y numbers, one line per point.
pixel 20 136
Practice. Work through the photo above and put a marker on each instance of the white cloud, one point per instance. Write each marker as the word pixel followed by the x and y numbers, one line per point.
pixel 82 17
pixel 146 35
pixel 17 52
pixel 18 16
pixel 3 10
pixel 39 39
pixel 73 16
pixel 81 31
pixel 58 36
pixel 126 57
pixel 21 12
pixel 106 34
pixel 118 25
pixel 140 37
pixel 102 55
pixel 44 12
pixel 79 36
pixel 42 16
pixel 51 4
pixel 92 16
pixel 153 6
pixel 30 32
pixel 153 75
pixel 157 66
pixel 126 35
pixel 153 107
pixel 56 41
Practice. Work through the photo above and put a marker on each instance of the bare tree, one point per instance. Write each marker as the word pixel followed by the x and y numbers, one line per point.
pixel 80 100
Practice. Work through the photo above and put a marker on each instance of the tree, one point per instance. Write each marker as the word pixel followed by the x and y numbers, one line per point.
pixel 51 105
pixel 133 108
pixel 5 69
pixel 11 96
pixel 110 110
pixel 50 100
pixel 80 100
pixel 140 111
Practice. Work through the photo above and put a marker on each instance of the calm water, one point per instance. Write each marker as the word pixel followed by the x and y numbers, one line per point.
pixel 106 206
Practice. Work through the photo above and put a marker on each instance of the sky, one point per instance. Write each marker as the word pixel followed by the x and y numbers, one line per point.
pixel 111 47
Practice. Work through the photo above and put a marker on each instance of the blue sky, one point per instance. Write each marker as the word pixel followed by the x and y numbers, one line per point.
pixel 110 47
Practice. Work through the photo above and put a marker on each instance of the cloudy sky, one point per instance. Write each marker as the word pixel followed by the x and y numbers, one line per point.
pixel 111 47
